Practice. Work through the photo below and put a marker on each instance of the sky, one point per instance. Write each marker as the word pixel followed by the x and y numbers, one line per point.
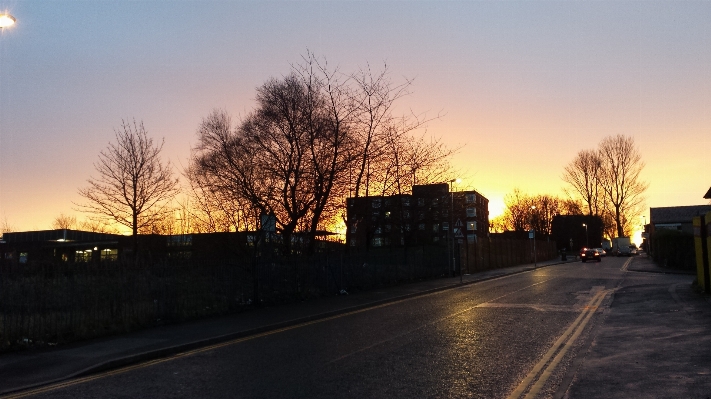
pixel 522 86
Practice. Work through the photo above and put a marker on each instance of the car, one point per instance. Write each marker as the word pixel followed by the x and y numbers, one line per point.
pixel 601 251
pixel 591 254
pixel 633 250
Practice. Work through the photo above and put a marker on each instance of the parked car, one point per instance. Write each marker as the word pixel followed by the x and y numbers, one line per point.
pixel 587 254
pixel 633 250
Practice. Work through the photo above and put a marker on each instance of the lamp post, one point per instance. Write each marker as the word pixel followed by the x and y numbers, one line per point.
pixel 6 20
pixel 451 227
pixel 587 241
pixel 533 236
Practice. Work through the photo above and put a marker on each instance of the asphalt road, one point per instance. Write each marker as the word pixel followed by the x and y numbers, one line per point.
pixel 516 336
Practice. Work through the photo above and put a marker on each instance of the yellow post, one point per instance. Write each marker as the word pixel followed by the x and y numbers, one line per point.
pixel 702 243
pixel 698 246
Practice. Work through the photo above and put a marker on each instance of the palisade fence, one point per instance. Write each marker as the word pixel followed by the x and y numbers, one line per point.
pixel 52 303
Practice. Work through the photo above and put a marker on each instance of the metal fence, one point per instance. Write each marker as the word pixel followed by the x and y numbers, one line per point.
pixel 52 303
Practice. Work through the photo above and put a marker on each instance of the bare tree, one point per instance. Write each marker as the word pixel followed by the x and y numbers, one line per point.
pixel 134 186
pixel 583 174
pixel 315 137
pixel 64 222
pixel 6 226
pixel 620 180
pixel 97 226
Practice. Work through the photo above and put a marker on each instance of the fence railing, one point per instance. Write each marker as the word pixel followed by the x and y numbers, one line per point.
pixel 50 303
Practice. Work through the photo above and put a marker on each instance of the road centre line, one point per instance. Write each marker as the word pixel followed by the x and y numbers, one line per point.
pixel 561 346
pixel 82 380
pixel 626 265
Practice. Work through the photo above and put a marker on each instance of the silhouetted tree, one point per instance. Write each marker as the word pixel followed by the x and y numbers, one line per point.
pixel 621 181
pixel 134 186
pixel 315 137
pixel 583 174
pixel 64 222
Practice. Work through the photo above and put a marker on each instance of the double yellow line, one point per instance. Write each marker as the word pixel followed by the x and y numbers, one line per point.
pixel 543 369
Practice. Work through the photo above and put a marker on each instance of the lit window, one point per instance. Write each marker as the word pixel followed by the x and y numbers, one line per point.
pixel 471 226
pixel 108 254
pixel 82 256
pixel 387 215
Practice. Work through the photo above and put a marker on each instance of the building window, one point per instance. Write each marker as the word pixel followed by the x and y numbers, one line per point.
pixel 405 201
pixel 388 228
pixel 375 203
pixel 445 226
pixel 378 230
pixel 421 216
pixel 181 240
pixel 23 258
pixel 354 227
pixel 471 226
pixel 353 242
pixel 421 226
pixel 470 198
pixel 377 242
pixel 108 255
pixel 420 202
pixel 406 226
pixel 387 215
pixel 471 212
pixel 251 239
pixel 435 201
pixel 435 227
pixel 406 214
pixel 82 256
pixel 435 239
pixel 387 202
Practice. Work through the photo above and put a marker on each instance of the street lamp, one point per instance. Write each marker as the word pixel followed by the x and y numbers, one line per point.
pixel 6 20
pixel 587 242
pixel 532 233
pixel 451 227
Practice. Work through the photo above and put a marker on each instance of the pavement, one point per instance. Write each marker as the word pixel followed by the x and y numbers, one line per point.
pixel 34 368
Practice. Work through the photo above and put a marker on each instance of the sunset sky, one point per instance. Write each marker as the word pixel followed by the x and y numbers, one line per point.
pixel 523 86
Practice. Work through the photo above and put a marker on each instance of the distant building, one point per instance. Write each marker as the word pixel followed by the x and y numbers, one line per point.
pixel 675 217
pixel 428 216
pixel 64 245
